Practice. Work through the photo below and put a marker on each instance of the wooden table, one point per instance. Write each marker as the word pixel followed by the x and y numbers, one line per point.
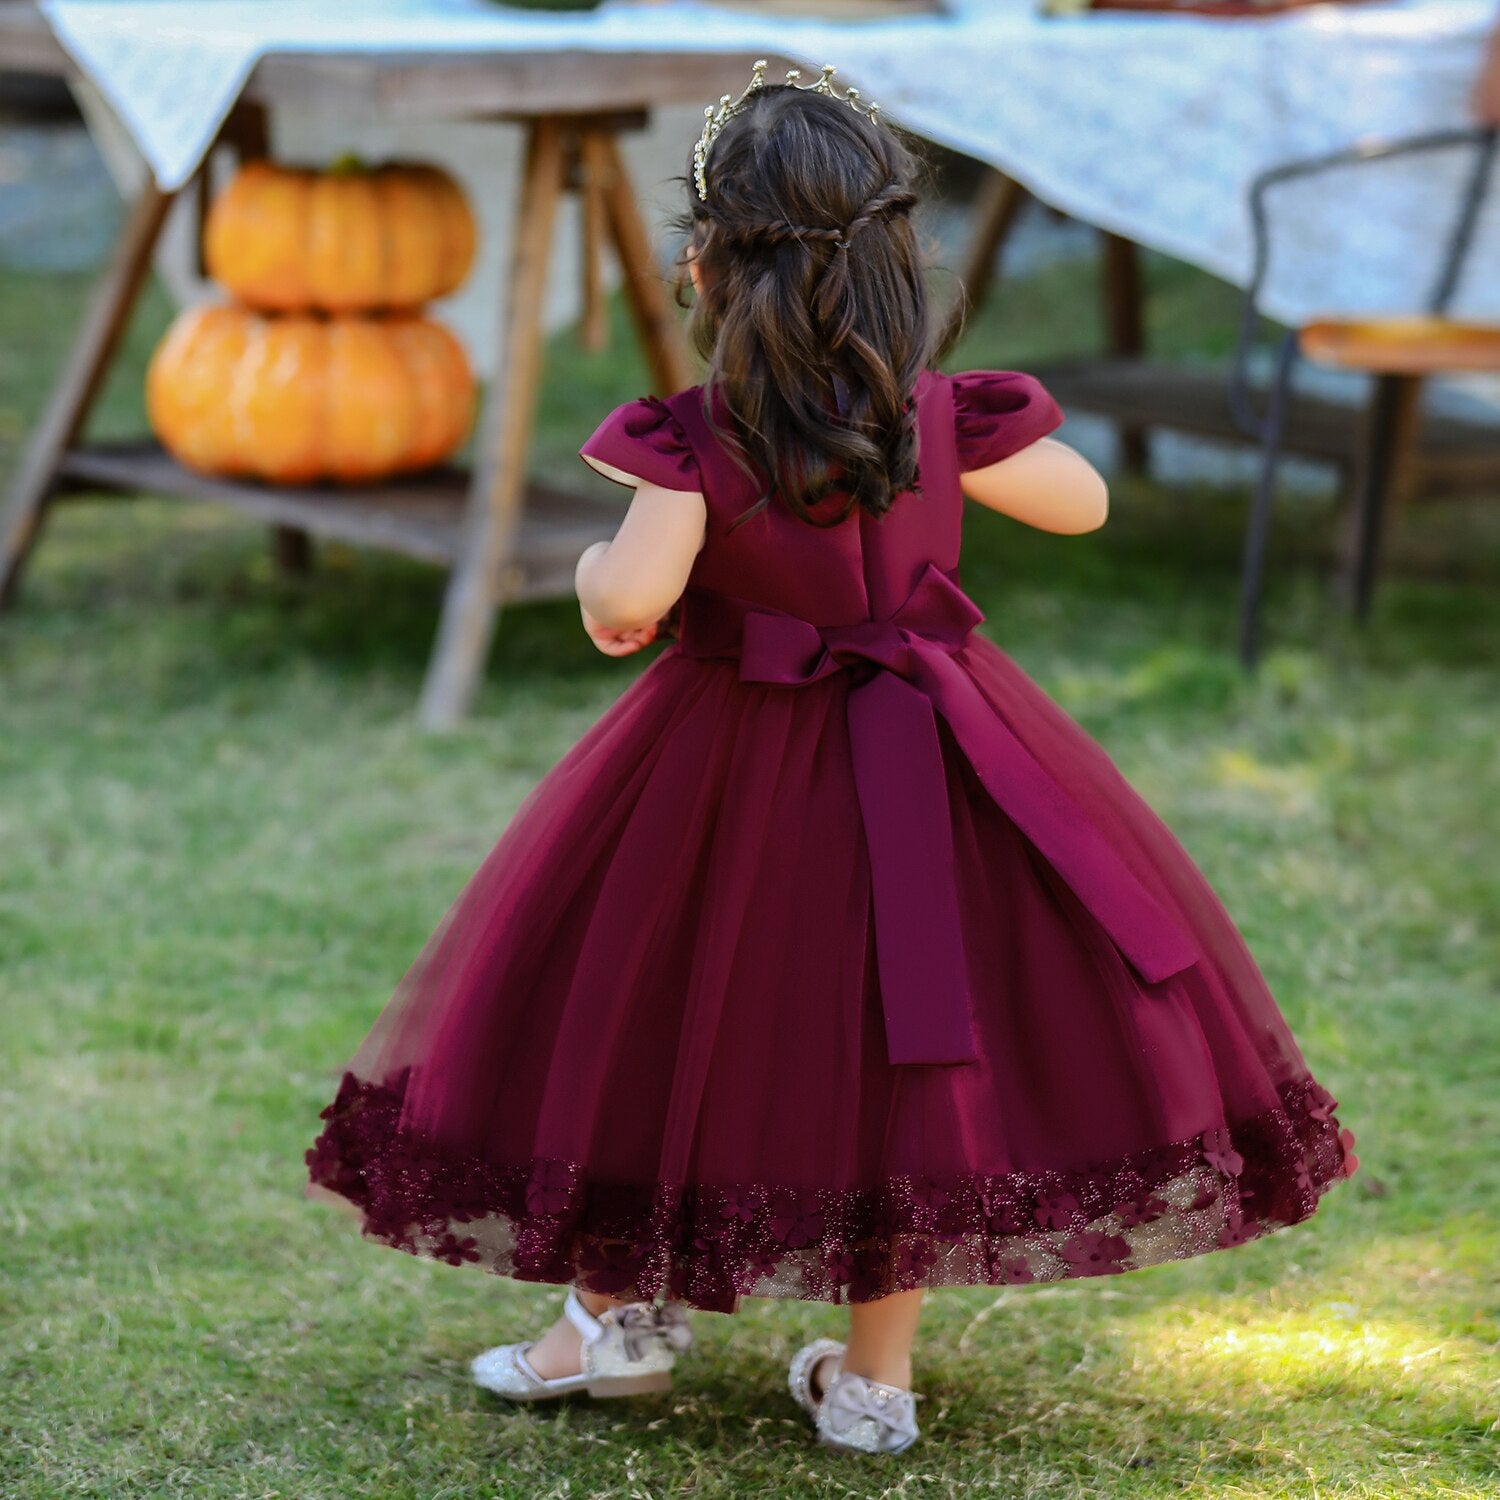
pixel 499 538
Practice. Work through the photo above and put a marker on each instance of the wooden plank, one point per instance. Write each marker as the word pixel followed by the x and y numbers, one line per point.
pixel 438 85
pixel 27 44
pixel 420 516
pixel 1445 472
pixel 94 345
pixel 480 576
pixel 1192 399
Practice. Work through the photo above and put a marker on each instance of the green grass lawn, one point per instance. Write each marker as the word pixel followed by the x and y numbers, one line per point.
pixel 224 840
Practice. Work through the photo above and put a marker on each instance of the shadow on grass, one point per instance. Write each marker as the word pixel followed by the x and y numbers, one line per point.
pixel 1084 1384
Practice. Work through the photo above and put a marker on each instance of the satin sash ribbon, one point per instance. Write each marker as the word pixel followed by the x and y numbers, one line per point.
pixel 903 796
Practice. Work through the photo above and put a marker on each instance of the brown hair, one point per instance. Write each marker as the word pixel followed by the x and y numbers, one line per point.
pixel 813 315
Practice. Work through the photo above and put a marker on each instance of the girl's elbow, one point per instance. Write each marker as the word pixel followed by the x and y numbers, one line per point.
pixel 1093 505
pixel 620 609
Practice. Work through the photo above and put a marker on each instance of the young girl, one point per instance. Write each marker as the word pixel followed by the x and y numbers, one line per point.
pixel 835 961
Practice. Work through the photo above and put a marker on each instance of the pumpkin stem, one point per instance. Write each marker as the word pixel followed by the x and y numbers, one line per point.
pixel 350 164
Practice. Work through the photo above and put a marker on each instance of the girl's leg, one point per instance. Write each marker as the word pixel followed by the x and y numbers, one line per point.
pixel 881 1334
pixel 880 1339
pixel 559 1351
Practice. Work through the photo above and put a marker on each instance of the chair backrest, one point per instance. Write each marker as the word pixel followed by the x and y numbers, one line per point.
pixel 1480 140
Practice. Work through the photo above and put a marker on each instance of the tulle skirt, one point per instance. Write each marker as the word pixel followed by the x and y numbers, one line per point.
pixel 644 1051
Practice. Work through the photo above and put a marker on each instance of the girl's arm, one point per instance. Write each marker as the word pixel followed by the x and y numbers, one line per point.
pixel 1046 485
pixel 629 583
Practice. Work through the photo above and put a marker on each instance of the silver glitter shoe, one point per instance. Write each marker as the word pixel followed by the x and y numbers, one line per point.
pixel 626 1351
pixel 804 1362
pixel 866 1416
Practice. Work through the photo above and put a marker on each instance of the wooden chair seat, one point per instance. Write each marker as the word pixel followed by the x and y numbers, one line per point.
pixel 1402 346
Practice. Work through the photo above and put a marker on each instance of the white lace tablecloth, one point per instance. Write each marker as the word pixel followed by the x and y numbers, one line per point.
pixel 1151 126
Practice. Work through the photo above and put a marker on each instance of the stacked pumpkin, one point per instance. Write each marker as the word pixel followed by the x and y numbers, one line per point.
pixel 324 366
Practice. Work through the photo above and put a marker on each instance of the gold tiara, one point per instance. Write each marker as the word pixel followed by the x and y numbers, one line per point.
pixel 716 118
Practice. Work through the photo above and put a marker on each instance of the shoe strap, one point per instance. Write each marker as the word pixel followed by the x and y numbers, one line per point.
pixel 525 1366
pixel 588 1326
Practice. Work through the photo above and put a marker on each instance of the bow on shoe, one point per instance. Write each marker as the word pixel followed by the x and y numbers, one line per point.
pixel 643 1323
pixel 850 1400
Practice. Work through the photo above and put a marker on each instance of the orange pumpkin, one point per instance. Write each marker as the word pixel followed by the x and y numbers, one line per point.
pixel 350 239
pixel 294 399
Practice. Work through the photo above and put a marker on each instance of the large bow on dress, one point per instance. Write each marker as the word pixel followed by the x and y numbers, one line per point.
pixel 903 796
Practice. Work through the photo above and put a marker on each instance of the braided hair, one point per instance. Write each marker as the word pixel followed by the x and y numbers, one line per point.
pixel 813 313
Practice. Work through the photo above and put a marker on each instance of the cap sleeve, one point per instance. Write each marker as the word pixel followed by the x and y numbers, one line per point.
pixel 997 413
pixel 643 440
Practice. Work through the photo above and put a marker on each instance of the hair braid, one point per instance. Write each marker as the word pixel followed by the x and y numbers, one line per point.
pixel 813 314
pixel 892 197
pixel 832 298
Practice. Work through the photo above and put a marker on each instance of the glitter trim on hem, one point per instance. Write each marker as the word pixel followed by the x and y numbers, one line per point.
pixel 707 1245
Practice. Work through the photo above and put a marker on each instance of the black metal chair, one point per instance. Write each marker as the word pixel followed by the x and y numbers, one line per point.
pixel 1398 353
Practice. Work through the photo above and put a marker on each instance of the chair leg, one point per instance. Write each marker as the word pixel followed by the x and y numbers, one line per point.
pixel 1258 524
pixel 1389 442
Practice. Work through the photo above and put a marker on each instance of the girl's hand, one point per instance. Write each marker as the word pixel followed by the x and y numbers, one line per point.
pixel 613 642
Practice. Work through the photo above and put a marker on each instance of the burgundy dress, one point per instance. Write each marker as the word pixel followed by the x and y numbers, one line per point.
pixel 835 959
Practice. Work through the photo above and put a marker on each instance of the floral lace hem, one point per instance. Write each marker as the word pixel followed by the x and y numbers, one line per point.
pixel 709 1245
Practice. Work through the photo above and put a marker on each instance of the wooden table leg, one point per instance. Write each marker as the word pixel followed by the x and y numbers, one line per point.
pixel 94 345
pixel 656 323
pixel 1125 330
pixel 477 582
pixel 996 209
pixel 1382 481
pixel 593 320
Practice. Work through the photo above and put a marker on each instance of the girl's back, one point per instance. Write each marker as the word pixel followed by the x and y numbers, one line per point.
pixel 861 567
